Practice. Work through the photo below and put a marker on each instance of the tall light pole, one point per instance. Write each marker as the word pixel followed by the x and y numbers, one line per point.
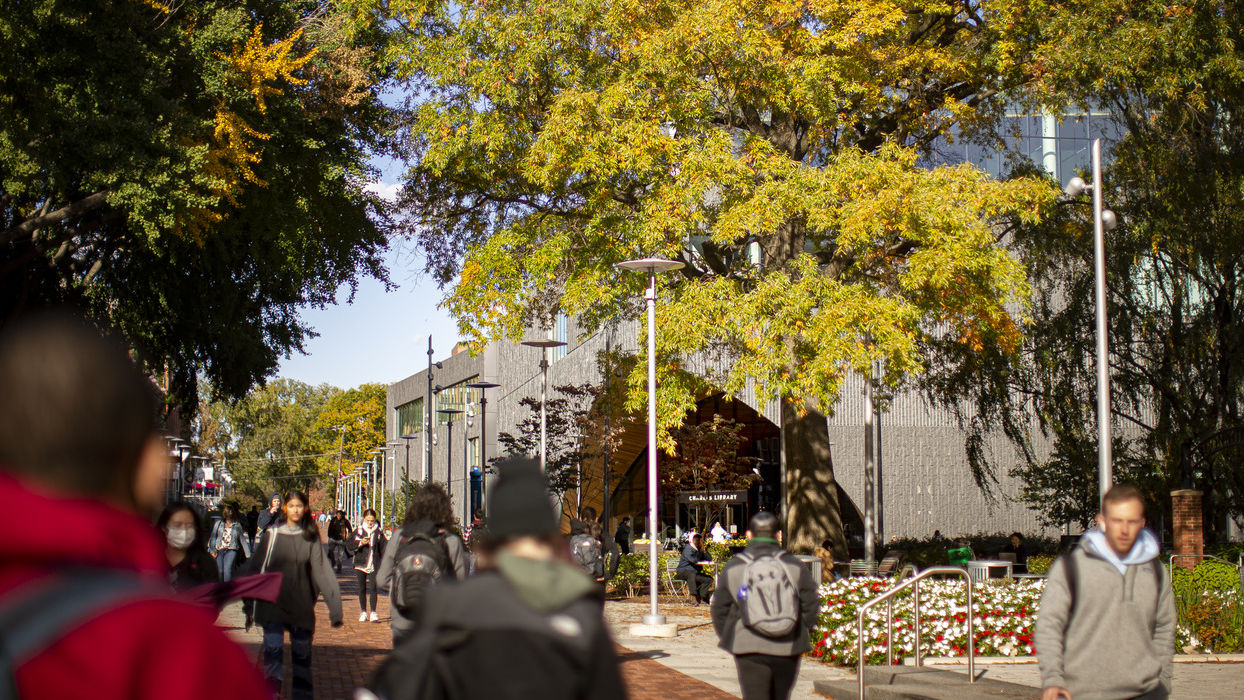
pixel 544 344
pixel 392 485
pixel 483 386
pixel 408 438
pixel 449 447
pixel 1103 220
pixel 652 266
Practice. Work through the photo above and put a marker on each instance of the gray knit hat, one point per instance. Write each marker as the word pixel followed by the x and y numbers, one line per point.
pixel 518 503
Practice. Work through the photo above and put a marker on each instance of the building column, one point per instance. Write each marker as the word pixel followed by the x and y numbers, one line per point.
pixel 1187 527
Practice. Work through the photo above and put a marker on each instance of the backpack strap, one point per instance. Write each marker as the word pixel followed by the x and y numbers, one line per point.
pixel 1073 583
pixel 41 613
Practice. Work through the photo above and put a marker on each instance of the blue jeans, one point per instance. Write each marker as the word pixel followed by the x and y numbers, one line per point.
pixel 224 562
pixel 300 656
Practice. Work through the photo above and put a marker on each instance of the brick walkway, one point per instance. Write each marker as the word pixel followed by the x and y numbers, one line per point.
pixel 344 658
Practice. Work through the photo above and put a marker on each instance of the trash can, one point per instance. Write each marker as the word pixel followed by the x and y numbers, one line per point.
pixel 813 564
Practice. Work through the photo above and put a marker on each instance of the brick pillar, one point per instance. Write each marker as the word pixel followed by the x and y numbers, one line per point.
pixel 1186 523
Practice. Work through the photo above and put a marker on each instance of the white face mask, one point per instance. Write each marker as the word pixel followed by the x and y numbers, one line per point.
pixel 180 539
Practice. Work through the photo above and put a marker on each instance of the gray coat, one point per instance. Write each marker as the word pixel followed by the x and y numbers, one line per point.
pixel 306 573
pixel 734 636
pixel 1120 642
pixel 384 575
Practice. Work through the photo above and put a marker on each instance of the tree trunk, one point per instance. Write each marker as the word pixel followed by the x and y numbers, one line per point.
pixel 813 513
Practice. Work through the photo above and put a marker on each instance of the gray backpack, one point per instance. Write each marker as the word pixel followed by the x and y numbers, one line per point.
pixel 767 596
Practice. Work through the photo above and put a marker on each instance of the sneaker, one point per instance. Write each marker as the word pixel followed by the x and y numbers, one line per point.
pixel 375 617
pixel 363 616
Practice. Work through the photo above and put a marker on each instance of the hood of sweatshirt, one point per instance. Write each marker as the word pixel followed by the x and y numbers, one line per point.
pixel 1143 550
pixel 87 533
pixel 544 585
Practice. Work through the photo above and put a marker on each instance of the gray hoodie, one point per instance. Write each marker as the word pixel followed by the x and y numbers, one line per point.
pixel 1120 642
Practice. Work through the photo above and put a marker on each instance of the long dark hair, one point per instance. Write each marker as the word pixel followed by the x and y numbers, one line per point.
pixel 430 502
pixel 176 507
pixel 310 530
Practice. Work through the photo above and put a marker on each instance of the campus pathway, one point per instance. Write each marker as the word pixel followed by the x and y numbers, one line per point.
pixel 687 666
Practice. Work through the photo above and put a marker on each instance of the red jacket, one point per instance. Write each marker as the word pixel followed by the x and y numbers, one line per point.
pixel 142 649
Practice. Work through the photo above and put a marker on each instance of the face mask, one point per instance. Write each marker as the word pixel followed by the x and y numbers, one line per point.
pixel 180 539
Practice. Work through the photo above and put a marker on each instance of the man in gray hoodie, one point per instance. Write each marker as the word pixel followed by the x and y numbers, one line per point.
pixel 1106 627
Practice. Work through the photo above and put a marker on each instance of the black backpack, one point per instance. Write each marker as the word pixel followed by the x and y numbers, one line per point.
pixel 586 552
pixel 421 560
pixel 35 619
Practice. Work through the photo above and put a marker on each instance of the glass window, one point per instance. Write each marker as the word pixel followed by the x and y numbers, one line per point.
pixel 456 396
pixel 560 332
pixel 410 418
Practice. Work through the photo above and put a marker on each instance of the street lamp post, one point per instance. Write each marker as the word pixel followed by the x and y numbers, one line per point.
pixel 377 481
pixel 483 435
pixel 449 446
pixel 1103 220
pixel 652 266
pixel 406 489
pixel 544 344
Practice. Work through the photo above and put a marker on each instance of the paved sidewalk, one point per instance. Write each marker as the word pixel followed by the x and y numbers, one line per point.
pixel 687 666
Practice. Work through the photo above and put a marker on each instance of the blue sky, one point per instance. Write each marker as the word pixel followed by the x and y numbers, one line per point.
pixel 383 335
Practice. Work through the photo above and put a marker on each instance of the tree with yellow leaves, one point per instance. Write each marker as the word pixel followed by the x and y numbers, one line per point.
pixel 774 147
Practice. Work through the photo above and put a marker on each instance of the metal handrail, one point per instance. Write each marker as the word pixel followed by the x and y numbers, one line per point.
pixel 913 583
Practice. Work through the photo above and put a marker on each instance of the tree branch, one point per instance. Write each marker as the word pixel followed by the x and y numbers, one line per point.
pixel 34 223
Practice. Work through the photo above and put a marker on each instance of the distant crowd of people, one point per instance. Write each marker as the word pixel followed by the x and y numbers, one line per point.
pixel 104 605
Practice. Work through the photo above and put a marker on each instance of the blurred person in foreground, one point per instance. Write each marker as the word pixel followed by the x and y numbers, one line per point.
pixel 531 618
pixel 89 599
pixel 1107 623
pixel 764 608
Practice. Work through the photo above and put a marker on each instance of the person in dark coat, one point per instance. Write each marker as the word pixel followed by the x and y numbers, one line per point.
pixel 189 563
pixel 271 517
pixel 691 569
pixel 369 545
pixel 767 666
pixel 534 622
pixel 623 536
pixel 294 549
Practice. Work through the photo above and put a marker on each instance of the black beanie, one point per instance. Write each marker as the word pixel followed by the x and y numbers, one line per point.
pixel 518 503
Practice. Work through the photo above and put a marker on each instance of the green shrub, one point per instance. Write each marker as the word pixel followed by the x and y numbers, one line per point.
pixel 1040 563
pixel 1209 607
pixel 1213 575
pixel 929 552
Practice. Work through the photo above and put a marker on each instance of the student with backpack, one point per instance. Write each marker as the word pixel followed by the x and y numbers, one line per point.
pixel 423 553
pixel 293 548
pixel 528 625
pixel 596 555
pixel 1107 624
pixel 764 609
pixel 85 608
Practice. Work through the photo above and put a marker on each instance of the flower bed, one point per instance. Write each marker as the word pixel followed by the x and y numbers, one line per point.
pixel 1004 623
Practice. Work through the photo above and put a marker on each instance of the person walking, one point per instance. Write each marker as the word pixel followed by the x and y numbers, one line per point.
pixel 1107 623
pixel 691 569
pixel 293 548
pixel 369 545
pixel 227 540
pixel 252 524
pixel 425 531
pixel 623 535
pixel 338 533
pixel 189 563
pixel 270 517
pixel 531 619
pixel 763 610
pixel 94 486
